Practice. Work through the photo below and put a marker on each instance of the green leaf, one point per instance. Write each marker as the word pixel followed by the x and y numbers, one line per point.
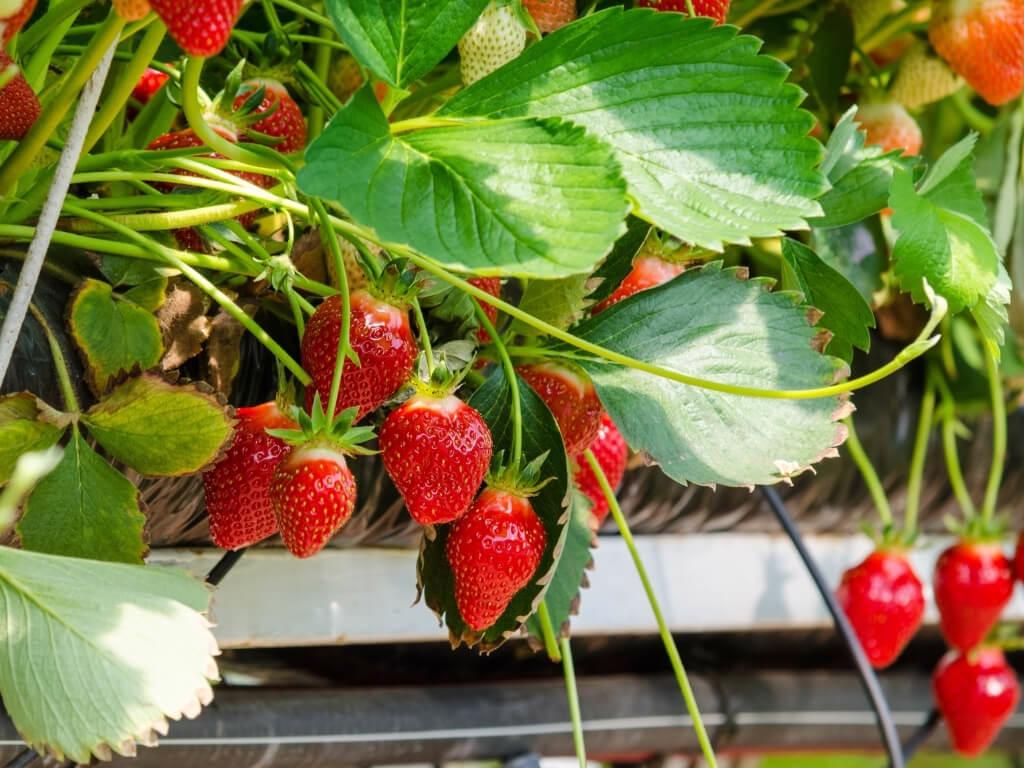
pixel 860 174
pixel 712 324
pixel 558 302
pixel 509 197
pixel 992 313
pixel 620 261
pixel 540 434
pixel 84 508
pixel 946 247
pixel 402 40
pixel 114 334
pixel 21 430
pixel 708 132
pixel 857 251
pixel 845 312
pixel 562 595
pixel 95 656
pixel 160 429
pixel 829 60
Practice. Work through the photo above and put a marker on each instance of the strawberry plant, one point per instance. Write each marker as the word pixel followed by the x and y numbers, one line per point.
pixel 514 246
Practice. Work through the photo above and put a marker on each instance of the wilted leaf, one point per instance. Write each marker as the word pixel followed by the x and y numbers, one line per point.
pixel 184 323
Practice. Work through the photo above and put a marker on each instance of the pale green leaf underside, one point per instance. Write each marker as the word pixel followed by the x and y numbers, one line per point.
pixel 512 197
pixel 402 40
pixel 94 656
pixel 84 508
pixel 711 324
pixel 708 133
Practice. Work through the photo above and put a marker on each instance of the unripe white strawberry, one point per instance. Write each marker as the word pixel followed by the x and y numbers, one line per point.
pixel 889 126
pixel 923 79
pixel 495 39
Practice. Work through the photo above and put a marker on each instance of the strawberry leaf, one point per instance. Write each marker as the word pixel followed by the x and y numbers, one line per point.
pixel 558 302
pixel 402 40
pixel 84 508
pixel 540 434
pixel 95 656
pixel 846 313
pixel 619 262
pixel 943 233
pixel 114 333
pixel 709 135
pixel 857 251
pixel 157 428
pixel 520 197
pixel 21 430
pixel 712 324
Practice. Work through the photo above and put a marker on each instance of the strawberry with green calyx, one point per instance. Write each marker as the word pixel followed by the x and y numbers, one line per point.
pixel 266 109
pixel 983 41
pixel 976 693
pixel 570 396
pixel 312 490
pixel 437 450
pixel 496 38
pixel 199 27
pixel 19 106
pixel 379 335
pixel 494 550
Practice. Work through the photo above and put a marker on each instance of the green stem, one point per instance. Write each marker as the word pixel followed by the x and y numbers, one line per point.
pixel 510 376
pixel 172 257
pixel 55 14
pixel 949 450
pixel 318 89
pixel 998 404
pixel 663 630
pixel 690 9
pixel 331 244
pixel 867 471
pixel 915 481
pixel 975 118
pixel 300 10
pixel 60 364
pixel 424 334
pixel 573 696
pixel 547 631
pixel 170 220
pixel 29 147
pixel 297 318
pixel 321 68
pixel 114 100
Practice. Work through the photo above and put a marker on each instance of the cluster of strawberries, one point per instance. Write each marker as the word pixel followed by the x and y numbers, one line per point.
pixel 974 687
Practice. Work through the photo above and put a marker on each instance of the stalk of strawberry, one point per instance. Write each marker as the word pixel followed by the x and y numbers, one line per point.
pixel 570 396
pixel 715 9
pixel 14 15
pixel 19 106
pixel 976 694
pixel 611 451
pixel 199 27
pixel 983 41
pixel 238 487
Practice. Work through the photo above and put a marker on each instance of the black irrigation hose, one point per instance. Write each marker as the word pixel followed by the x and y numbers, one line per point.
pixel 917 739
pixel 868 678
pixel 216 575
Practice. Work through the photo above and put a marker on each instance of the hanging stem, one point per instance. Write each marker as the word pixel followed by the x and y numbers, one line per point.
pixel 547 631
pixel 690 9
pixel 321 67
pixel 573 696
pixel 925 421
pixel 60 364
pixel 424 333
pixel 663 630
pixel 513 382
pixel 995 472
pixel 300 321
pixel 301 10
pixel 956 475
pixel 867 471
pixel 331 244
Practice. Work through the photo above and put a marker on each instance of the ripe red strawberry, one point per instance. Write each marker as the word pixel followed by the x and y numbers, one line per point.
pixel 378 332
pixel 199 27
pixel 715 9
pixel 884 601
pixel 313 493
pixel 13 15
pixel 976 694
pixel 493 286
pixel 494 551
pixel 550 15
pixel 973 583
pixel 152 80
pixel 19 107
pixel 437 451
pixel 983 40
pixel 647 272
pixel 285 122
pixel 238 486
pixel 190 239
pixel 495 39
pixel 570 397
pixel 891 127
pixel 611 452
pixel 131 10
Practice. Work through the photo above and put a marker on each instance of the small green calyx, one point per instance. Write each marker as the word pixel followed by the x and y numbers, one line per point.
pixel 890 538
pixel 978 529
pixel 514 478
pixel 318 427
pixel 397 284
pixel 441 380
